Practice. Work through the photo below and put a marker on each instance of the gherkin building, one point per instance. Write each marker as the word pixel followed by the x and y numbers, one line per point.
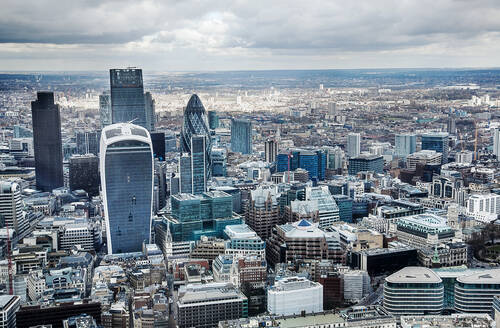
pixel 196 123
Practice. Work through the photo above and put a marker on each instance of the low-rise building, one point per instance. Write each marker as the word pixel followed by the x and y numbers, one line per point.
pixel 295 295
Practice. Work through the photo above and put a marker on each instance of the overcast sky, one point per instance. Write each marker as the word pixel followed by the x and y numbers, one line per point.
pixel 195 35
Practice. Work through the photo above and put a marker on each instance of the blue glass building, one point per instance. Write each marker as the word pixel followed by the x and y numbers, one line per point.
pixel 192 167
pixel 207 214
pixel 309 161
pixel 213 120
pixel 126 166
pixel 127 97
pixel 436 141
pixel 344 204
pixel 241 136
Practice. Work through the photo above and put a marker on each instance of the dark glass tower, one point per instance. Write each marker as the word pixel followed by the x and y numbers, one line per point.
pixel 196 123
pixel 84 173
pixel 47 142
pixel 241 136
pixel 127 97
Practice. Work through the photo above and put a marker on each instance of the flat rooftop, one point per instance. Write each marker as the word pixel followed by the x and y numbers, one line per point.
pixel 419 275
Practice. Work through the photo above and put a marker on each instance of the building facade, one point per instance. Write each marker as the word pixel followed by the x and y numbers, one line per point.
pixel 241 136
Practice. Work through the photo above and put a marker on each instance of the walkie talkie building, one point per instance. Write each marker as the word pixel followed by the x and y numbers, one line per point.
pixel 126 165
pixel 196 123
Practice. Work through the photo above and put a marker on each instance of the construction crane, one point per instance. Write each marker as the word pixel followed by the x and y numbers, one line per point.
pixel 475 142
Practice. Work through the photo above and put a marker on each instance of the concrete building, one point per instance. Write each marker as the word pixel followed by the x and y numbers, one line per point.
pixel 363 163
pixel 262 213
pixel 11 209
pixel 9 305
pixel 413 291
pixel 424 230
pixel 353 144
pixel 294 295
pixel 356 285
pixel 425 157
pixel 445 321
pixel 484 207
pixel 405 144
pixel 205 305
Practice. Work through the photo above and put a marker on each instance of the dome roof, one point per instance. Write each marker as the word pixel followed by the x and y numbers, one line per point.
pixel 195 105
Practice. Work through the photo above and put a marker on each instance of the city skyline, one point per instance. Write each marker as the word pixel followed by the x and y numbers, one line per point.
pixel 249 36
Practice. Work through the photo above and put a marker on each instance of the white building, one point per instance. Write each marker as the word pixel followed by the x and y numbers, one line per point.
pixel 353 144
pixel 484 207
pixel 9 304
pixel 496 142
pixel 356 285
pixel 464 157
pixel 425 157
pixel 292 295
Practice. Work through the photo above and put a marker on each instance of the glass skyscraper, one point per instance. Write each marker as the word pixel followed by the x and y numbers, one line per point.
pixel 127 97
pixel 149 104
pixel 192 167
pixel 241 136
pixel 196 123
pixel 105 109
pixel 126 166
pixel 405 144
pixel 437 141
pixel 47 142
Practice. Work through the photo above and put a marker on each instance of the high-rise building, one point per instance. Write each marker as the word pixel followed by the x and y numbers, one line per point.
pixel 353 144
pixel 158 140
pixel 87 142
pixel 496 143
pixel 185 174
pixel 451 125
pixel 11 208
pixel 271 150
pixel 437 141
pixel 219 162
pixel 195 123
pixel 9 304
pixel 149 104
pixel 192 167
pixel 127 97
pixel 84 173
pixel 241 136
pixel 262 213
pixel 372 163
pixel 308 161
pixel 47 142
pixel 126 166
pixel 405 144
pixel 213 120
pixel 105 109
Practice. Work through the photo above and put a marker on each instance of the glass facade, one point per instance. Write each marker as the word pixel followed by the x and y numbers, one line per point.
pixel 241 136
pixel 196 123
pixel 127 97
pixel 105 109
pixel 198 164
pixel 405 144
pixel 309 162
pixel 213 120
pixel 127 178
pixel 47 142
pixel 366 163
pixel 437 142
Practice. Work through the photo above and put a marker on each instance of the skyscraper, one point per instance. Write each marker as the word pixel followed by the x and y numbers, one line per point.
pixel 271 150
pixel 405 144
pixel 196 123
pixel 149 102
pixel 353 144
pixel 496 143
pixel 84 173
pixel 105 109
pixel 11 208
pixel 437 141
pixel 241 136
pixel 127 97
pixel 87 142
pixel 213 120
pixel 47 142
pixel 192 167
pixel 126 166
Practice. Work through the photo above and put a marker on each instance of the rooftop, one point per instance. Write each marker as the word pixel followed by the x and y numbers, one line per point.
pixel 419 275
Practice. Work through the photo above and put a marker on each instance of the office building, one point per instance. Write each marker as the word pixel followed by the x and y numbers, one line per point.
pixel 219 162
pixel 11 209
pixel 405 144
pixel 126 166
pixel 364 163
pixel 241 136
pixel 87 142
pixel 9 305
pixel 243 241
pixel 384 260
pixel 193 177
pixel 127 97
pixel 149 104
pixel 328 211
pixel 205 214
pixel 356 285
pixel 185 175
pixel 170 142
pixel 195 123
pixel 308 161
pixel 31 316
pixel 47 142
pixel 271 150
pixel 22 132
pixel 303 240
pixel 262 212
pixel 158 141
pixel 474 293
pixel 484 207
pixel 344 205
pixel 213 120
pixel 464 157
pixel 436 141
pixel 423 157
pixel 413 291
pixel 84 173
pixel 353 144
pixel 446 321
pixel 105 109
pixel 205 305
pixel 425 229
pixel 496 143
pixel 80 321
pixel 294 295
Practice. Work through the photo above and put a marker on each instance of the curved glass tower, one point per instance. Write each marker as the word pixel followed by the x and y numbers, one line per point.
pixel 196 123
pixel 126 165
